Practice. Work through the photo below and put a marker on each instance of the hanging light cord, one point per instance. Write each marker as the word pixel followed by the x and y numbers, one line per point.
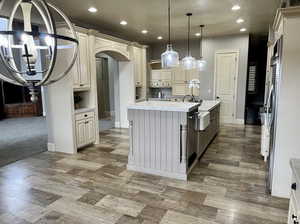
pixel 189 31
pixel 169 20
pixel 201 40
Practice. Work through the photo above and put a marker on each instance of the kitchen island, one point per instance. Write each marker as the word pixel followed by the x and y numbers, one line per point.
pixel 163 139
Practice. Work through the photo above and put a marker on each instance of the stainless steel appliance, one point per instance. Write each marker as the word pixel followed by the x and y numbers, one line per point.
pixel 271 107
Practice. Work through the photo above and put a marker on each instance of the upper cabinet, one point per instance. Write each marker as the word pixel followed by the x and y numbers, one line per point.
pixel 81 70
pixel 179 75
pixel 140 66
pixel 161 78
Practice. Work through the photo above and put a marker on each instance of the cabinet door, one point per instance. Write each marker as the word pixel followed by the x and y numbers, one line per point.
pixel 84 61
pixel 166 75
pixel 90 130
pixel 179 89
pixel 155 75
pixel 179 75
pixel 138 69
pixel 80 133
pixel 75 71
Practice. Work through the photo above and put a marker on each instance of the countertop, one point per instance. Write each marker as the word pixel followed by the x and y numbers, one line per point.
pixel 208 105
pixel 164 106
pixel 84 110
pixel 295 165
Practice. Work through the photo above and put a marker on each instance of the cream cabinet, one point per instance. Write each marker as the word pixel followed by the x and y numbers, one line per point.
pixel 180 82
pixel 85 129
pixel 179 76
pixel 161 78
pixel 81 70
pixel 139 55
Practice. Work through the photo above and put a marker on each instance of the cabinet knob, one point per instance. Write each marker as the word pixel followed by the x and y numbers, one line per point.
pixel 81 85
pixel 294 186
pixel 85 115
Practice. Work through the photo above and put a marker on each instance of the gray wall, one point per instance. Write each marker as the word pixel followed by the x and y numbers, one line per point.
pixel 210 46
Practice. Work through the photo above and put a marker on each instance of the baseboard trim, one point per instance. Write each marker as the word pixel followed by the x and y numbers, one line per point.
pixel 51 147
pixel 157 172
pixel 239 121
pixel 117 124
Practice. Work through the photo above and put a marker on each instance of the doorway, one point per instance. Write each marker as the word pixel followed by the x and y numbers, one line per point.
pixel 226 74
pixel 107 70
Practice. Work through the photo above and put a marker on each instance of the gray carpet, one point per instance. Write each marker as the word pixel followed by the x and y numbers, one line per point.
pixel 21 138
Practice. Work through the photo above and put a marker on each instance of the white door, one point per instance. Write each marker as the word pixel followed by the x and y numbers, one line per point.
pixel 225 81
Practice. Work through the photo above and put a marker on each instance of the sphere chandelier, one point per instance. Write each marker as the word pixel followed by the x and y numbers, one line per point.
pixel 31 58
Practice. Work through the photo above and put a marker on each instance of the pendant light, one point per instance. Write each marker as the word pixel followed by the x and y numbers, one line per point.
pixel 170 58
pixel 188 62
pixel 201 63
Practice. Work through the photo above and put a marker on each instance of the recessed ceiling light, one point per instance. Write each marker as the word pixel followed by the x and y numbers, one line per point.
pixel 93 10
pixel 144 31
pixel 123 22
pixel 243 29
pixel 197 34
pixel 236 7
pixel 159 37
pixel 240 20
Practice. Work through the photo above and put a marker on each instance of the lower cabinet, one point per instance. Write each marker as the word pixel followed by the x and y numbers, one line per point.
pixel 205 137
pixel 85 129
pixel 294 212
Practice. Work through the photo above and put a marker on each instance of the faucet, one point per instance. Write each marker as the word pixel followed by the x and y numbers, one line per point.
pixel 193 99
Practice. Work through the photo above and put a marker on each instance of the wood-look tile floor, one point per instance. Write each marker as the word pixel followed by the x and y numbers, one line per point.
pixel 227 186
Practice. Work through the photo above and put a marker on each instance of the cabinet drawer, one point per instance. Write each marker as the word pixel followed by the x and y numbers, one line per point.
pixel 84 116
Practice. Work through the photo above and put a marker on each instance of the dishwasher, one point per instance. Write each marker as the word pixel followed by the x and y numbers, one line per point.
pixel 192 137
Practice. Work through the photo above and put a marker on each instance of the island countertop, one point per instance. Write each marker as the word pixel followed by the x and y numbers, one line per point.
pixel 208 105
pixel 165 106
pixel 295 165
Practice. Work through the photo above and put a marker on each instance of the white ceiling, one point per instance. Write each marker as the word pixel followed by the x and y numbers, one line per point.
pixel 152 16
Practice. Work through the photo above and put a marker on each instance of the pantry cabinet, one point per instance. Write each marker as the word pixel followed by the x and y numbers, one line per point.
pixel 85 129
pixel 81 69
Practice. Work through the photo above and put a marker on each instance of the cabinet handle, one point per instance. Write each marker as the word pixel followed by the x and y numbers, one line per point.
pixel 180 143
pixel 294 216
pixel 294 186
pixel 81 84
pixel 85 115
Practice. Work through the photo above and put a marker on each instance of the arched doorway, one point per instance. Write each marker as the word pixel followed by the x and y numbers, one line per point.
pixel 108 88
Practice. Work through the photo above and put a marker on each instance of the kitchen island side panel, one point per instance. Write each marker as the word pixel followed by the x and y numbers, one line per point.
pixel 155 142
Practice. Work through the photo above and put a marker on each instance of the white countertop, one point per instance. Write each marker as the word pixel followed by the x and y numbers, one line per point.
pixel 83 110
pixel 208 105
pixel 164 106
pixel 295 165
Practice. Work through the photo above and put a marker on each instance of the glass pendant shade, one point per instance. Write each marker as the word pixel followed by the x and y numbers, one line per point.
pixel 188 63
pixel 170 58
pixel 201 65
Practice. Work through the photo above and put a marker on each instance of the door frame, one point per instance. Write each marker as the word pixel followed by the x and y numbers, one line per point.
pixel 237 52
